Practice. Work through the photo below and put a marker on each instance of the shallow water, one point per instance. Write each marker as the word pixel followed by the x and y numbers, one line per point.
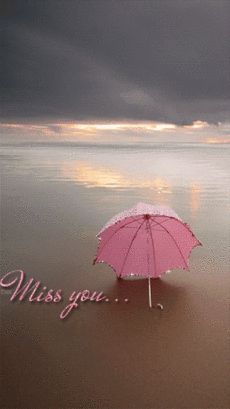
pixel 54 200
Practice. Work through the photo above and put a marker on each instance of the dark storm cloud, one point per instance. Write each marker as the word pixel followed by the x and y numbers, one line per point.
pixel 86 60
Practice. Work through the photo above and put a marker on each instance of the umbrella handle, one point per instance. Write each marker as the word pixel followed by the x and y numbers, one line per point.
pixel 150 293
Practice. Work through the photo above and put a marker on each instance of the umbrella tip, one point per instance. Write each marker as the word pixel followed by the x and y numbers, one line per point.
pixel 160 306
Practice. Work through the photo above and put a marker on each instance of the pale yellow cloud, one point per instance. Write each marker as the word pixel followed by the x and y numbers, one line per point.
pixel 197 125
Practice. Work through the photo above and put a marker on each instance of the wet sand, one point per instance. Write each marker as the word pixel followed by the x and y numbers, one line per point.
pixel 121 355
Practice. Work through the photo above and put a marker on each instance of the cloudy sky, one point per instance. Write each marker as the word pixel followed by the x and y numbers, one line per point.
pixel 118 62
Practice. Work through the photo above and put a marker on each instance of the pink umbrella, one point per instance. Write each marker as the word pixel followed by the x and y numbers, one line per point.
pixel 145 241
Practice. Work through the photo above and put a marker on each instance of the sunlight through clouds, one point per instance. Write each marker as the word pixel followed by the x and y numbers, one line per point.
pixel 116 132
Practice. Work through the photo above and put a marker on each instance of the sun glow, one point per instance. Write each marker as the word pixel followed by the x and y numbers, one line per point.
pixel 123 126
pixel 91 127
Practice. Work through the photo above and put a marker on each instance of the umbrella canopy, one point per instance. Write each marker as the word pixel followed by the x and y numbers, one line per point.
pixel 146 241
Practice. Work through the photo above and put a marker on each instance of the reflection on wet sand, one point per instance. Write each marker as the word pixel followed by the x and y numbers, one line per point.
pixel 195 191
pixel 54 201
pixel 100 176
pixel 94 176
pixel 91 176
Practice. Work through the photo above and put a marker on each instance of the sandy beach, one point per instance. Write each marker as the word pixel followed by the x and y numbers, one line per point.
pixel 114 355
